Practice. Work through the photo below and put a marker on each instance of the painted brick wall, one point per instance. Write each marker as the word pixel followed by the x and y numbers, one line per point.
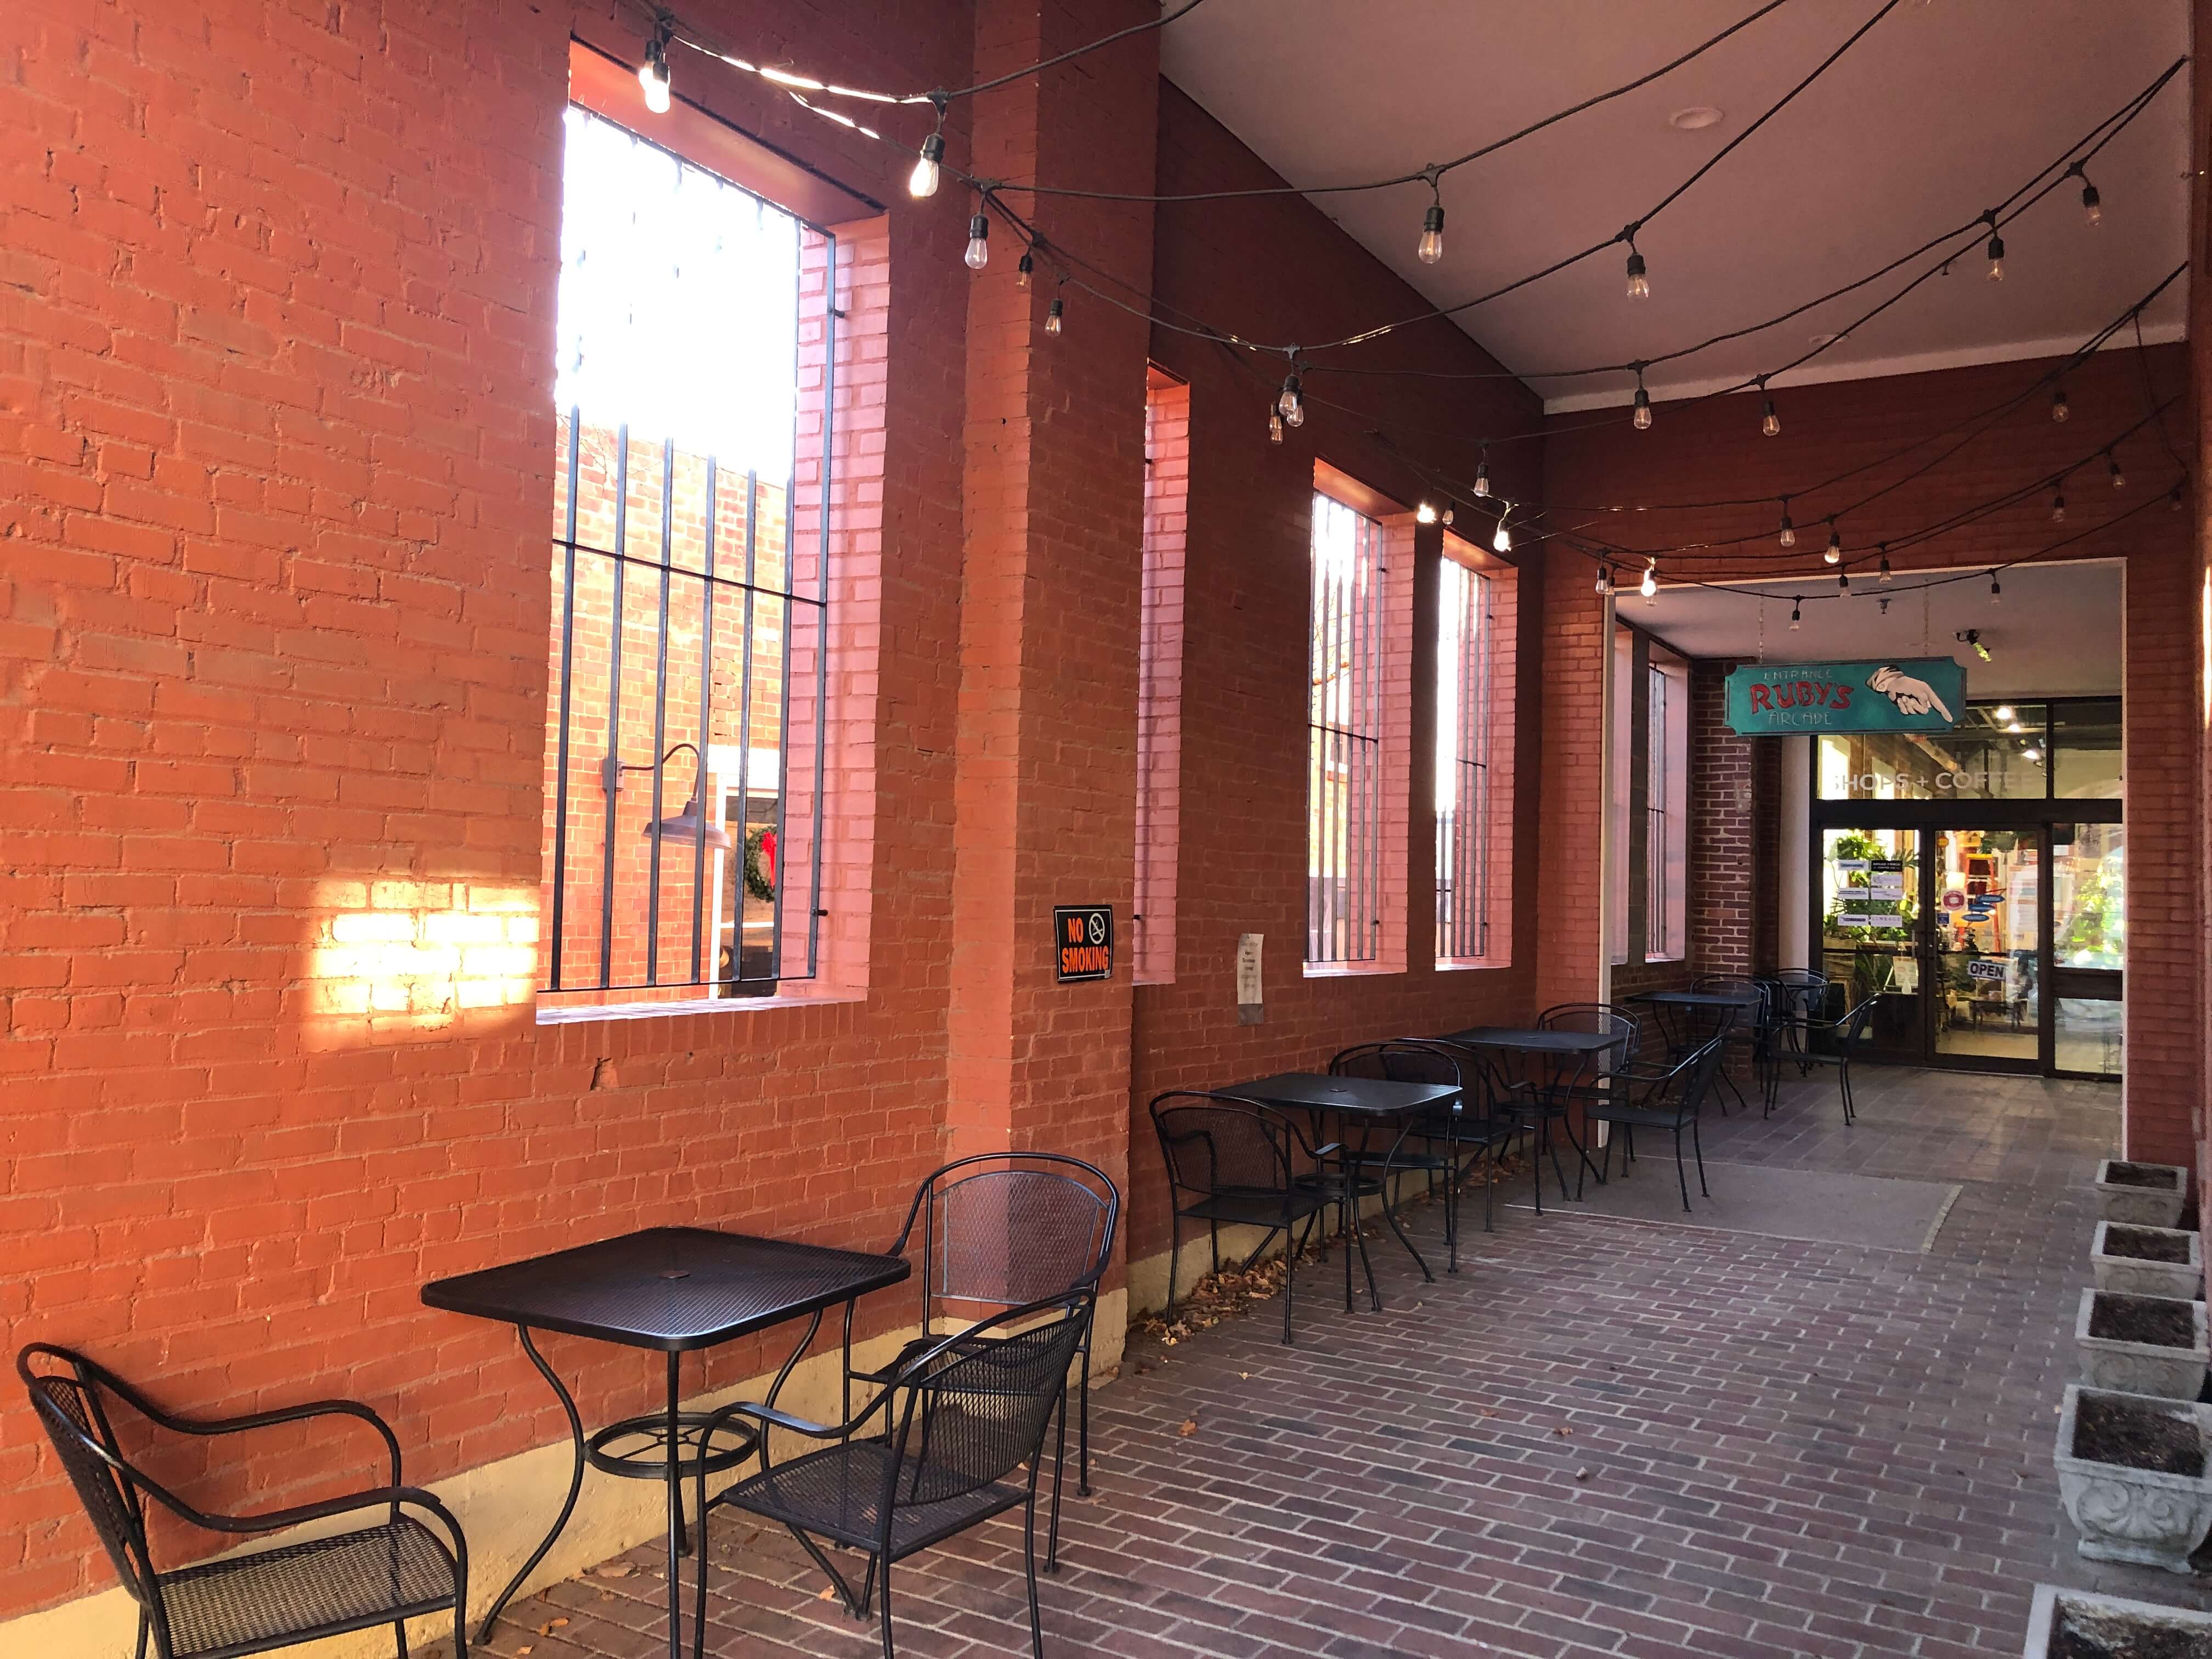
pixel 1712 450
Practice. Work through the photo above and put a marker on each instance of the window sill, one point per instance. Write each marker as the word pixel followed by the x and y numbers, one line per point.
pixel 577 1013
pixel 1461 965
pixel 1350 970
pixel 1652 961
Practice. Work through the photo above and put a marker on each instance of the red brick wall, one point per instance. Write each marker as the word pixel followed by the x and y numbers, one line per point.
pixel 1275 266
pixel 1713 450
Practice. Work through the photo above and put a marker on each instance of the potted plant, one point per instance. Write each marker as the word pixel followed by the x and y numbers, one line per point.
pixel 2146 1261
pixel 2071 1624
pixel 2151 1345
pixel 2141 1195
pixel 2131 1474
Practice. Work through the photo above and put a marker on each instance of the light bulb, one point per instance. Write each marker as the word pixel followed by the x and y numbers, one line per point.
pixel 1649 586
pixel 1297 415
pixel 1482 476
pixel 1431 248
pixel 1447 514
pixel 2032 752
pixel 1788 536
pixel 1884 576
pixel 1797 618
pixel 2093 205
pixel 653 76
pixel 1835 553
pixel 1288 404
pixel 1995 251
pixel 1604 579
pixel 2119 478
pixel 1023 269
pixel 922 181
pixel 1052 317
pixel 2003 714
pixel 1997 590
pixel 2173 501
pixel 1639 285
pixel 1424 514
pixel 1843 581
pixel 2058 509
pixel 1642 410
pixel 979 243
pixel 1501 540
pixel 2059 411
pixel 1769 423
pixel 1274 428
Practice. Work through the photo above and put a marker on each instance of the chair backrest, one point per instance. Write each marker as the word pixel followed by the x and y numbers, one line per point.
pixel 69 1403
pixel 1686 1083
pixel 1853 1025
pixel 1225 1147
pixel 1400 1060
pixel 1007 1229
pixel 1607 1018
pixel 978 1405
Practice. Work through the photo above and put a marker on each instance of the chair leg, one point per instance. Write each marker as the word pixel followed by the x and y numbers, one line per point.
pixel 1083 1414
pixel 1681 1174
pixel 399 1635
pixel 1175 1251
pixel 891 1653
pixel 1213 1234
pixel 1697 1146
pixel 1059 1480
pixel 1289 1282
pixel 1029 1567
pixel 146 1622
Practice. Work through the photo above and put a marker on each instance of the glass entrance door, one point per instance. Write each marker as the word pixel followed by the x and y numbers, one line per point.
pixel 1872 943
pixel 2088 946
pixel 1985 944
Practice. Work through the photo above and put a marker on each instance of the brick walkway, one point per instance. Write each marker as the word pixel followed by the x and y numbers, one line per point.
pixel 1604 1437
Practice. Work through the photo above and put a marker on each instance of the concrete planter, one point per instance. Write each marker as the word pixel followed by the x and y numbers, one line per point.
pixel 2083 1615
pixel 2130 1275
pixel 2143 1207
pixel 2143 1367
pixel 2139 1516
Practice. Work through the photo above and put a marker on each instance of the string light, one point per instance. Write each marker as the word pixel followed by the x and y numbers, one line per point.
pixel 1482 475
pixel 652 74
pixel 1769 422
pixel 1447 515
pixel 1430 247
pixel 923 180
pixel 1835 553
pixel 1424 514
pixel 2112 468
pixel 1053 317
pixel 2059 411
pixel 1604 580
pixel 1291 404
pixel 1501 539
pixel 1884 576
pixel 1274 428
pixel 1642 404
pixel 1639 285
pixel 1024 268
pixel 2093 205
pixel 1996 248
pixel 1996 589
pixel 1843 581
pixel 1796 615
pixel 1649 586
pixel 979 243
pixel 2175 499
pixel 2058 507
pixel 1787 535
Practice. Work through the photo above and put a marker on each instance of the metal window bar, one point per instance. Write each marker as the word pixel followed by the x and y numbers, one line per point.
pixel 574 551
pixel 1462 824
pixel 1344 798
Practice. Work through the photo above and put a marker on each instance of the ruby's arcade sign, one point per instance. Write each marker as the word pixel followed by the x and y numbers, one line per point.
pixel 1907 694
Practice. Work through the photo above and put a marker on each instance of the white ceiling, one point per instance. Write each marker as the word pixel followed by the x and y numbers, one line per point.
pixel 2056 632
pixel 1946 107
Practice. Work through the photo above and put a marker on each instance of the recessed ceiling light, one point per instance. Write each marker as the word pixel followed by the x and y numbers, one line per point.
pixel 1695 118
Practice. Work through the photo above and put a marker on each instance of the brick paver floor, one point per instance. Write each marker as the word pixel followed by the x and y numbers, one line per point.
pixel 1602 1437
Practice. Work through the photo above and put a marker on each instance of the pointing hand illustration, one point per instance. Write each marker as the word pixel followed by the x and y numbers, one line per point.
pixel 1910 696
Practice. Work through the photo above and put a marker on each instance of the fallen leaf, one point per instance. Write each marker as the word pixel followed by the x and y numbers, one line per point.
pixel 1245 1376
pixel 522 1650
pixel 1190 1427
pixel 1563 1429
pixel 829 1593
pixel 557 1623
pixel 617 1569
pixel 1582 1474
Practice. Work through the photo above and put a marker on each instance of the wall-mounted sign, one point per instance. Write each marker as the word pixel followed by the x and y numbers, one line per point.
pixel 1985 968
pixel 1251 1002
pixel 1909 694
pixel 1955 898
pixel 1083 941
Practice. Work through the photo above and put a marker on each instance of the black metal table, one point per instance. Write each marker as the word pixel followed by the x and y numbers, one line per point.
pixel 1558 1047
pixel 1367 1102
pixel 676 1289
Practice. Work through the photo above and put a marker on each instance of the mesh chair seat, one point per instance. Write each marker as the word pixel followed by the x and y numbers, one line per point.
pixel 1269 1210
pixel 328 1585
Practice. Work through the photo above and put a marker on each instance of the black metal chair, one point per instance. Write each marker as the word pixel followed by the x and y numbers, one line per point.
pixel 976 1406
pixel 1577 1080
pixel 1798 995
pixel 1669 1099
pixel 386 1573
pixel 1752 1030
pixel 1441 1144
pixel 1849 1032
pixel 1007 1230
pixel 1247 1164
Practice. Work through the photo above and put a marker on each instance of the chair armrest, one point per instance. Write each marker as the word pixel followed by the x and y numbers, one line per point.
pixel 219 1425
pixel 1333 1149
pixel 299 1515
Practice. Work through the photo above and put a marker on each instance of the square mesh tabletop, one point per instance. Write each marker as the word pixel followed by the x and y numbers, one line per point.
pixel 1359 1095
pixel 671 1288
pixel 1699 998
pixel 1531 1039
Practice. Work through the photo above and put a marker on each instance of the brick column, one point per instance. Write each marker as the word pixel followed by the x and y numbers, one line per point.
pixel 1722 868
pixel 1044 794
